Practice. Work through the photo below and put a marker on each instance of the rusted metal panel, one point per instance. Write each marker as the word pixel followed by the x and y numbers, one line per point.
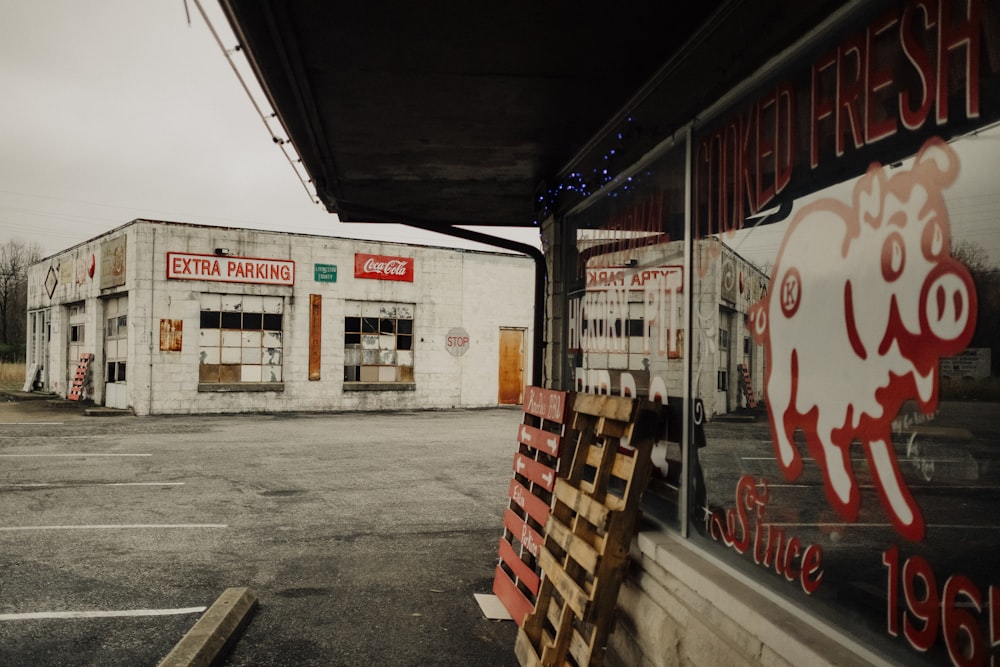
pixel 315 334
pixel 171 335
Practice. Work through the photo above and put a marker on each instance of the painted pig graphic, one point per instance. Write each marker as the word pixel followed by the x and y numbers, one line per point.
pixel 864 300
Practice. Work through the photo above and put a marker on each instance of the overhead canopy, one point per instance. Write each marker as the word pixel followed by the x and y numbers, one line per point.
pixel 468 113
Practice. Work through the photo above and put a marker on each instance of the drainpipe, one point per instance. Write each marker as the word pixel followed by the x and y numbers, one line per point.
pixel 538 336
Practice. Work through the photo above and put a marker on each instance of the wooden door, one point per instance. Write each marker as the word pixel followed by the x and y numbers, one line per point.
pixel 511 367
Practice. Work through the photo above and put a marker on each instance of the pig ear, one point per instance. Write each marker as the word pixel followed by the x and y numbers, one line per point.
pixel 937 160
pixel 868 195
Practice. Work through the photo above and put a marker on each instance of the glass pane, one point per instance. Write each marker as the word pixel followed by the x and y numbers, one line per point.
pixel 625 313
pixel 209 319
pixel 252 320
pixel 232 320
pixel 271 322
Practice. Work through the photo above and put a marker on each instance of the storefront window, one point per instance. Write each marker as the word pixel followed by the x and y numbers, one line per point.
pixel 863 482
pixel 378 343
pixel 841 361
pixel 240 340
pixel 626 318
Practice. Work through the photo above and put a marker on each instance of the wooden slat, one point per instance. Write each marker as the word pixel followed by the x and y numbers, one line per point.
pixel 522 532
pixel 545 403
pixel 571 592
pixel 580 648
pixel 514 601
pixel 536 438
pixel 538 473
pixel 525 651
pixel 594 512
pixel 536 508
pixel 612 407
pixel 577 548
pixel 525 574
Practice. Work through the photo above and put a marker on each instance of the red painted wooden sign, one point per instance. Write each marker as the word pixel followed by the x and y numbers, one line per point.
pixel 535 466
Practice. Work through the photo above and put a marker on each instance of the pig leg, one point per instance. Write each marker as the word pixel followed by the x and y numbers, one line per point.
pixel 895 496
pixel 839 483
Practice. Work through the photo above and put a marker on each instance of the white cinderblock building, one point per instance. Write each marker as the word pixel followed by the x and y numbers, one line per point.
pixel 174 318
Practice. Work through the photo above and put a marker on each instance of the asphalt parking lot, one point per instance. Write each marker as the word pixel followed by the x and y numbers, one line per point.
pixel 364 535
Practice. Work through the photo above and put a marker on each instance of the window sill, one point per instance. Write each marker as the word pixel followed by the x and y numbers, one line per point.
pixel 240 386
pixel 380 386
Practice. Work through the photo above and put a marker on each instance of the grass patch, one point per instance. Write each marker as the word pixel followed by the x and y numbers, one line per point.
pixel 11 375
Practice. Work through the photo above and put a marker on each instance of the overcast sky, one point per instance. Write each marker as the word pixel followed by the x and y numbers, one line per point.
pixel 113 110
pixel 119 109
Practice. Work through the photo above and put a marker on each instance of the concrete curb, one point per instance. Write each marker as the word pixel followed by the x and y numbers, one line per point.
pixel 205 642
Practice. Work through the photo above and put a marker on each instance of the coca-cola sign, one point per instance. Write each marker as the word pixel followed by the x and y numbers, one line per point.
pixel 381 267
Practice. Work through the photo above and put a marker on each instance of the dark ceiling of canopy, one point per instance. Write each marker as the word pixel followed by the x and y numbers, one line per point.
pixel 443 113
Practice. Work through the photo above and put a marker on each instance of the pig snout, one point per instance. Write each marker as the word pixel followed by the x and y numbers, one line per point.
pixel 948 304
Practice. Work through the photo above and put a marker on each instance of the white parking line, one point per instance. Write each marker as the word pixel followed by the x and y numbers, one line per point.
pixel 32 423
pixel 31 616
pixel 74 485
pixel 55 437
pixel 117 526
pixel 85 454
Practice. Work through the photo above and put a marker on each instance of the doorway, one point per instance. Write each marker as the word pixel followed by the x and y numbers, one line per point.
pixel 511 379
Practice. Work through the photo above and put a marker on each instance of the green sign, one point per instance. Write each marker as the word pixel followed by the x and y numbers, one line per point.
pixel 325 273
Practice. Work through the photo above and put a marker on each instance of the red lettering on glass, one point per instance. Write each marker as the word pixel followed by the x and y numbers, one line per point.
pixel 952 613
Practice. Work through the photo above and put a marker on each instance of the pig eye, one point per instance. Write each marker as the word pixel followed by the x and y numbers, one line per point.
pixel 893 257
pixel 932 241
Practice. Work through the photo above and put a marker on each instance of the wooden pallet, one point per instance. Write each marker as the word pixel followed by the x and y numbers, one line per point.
pixel 540 455
pixel 589 531
pixel 81 377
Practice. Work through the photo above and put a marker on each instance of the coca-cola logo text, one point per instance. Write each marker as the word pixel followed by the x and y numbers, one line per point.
pixel 394 267
pixel 380 267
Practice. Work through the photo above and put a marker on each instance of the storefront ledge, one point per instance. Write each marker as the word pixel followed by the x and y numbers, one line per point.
pixel 771 623
pixel 380 386
pixel 241 386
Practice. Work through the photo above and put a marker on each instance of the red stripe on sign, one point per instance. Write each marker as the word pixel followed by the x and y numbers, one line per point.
pixel 538 439
pixel 522 532
pixel 525 574
pixel 516 603
pixel 545 403
pixel 536 471
pixel 536 508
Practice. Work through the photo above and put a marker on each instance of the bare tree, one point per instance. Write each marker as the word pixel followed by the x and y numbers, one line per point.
pixel 986 275
pixel 15 258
